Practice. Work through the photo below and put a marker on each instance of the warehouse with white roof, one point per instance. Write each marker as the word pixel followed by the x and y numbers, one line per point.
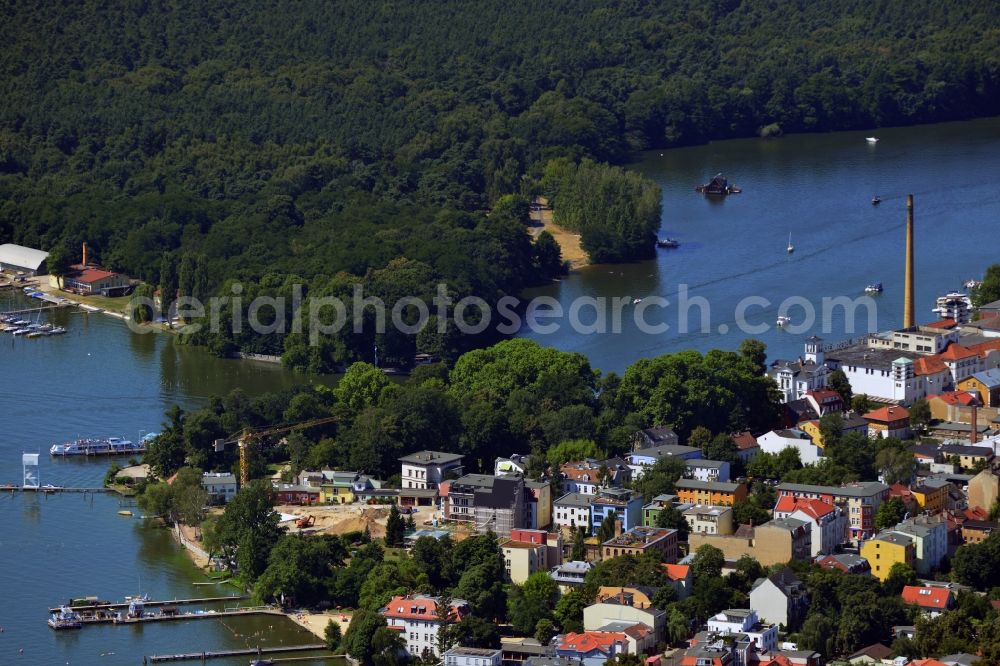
pixel 20 259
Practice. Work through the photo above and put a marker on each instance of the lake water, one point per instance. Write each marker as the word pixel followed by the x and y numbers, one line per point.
pixel 818 188
pixel 99 379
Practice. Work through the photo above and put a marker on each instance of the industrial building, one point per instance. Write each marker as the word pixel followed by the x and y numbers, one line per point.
pixel 23 260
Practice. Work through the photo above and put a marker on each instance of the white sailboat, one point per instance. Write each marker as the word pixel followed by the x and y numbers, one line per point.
pixel 871 139
pixel 791 248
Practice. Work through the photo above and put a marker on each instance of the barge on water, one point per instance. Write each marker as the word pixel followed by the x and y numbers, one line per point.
pixel 718 186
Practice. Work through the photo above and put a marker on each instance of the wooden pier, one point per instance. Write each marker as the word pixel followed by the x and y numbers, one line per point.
pixel 109 617
pixel 53 489
pixel 156 603
pixel 46 308
pixel 244 652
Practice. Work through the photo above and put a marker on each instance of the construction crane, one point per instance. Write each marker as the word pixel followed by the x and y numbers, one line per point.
pixel 243 438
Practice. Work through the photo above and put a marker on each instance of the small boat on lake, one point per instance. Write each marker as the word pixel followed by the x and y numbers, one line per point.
pixel 871 139
pixel 668 243
pixel 876 200
pixel 874 288
pixel 125 512
pixel 719 186
pixel 790 248
pixel 783 321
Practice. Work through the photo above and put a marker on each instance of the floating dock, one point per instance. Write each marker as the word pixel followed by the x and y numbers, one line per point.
pixel 248 652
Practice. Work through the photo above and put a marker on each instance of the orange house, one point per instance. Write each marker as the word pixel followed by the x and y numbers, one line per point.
pixel 712 493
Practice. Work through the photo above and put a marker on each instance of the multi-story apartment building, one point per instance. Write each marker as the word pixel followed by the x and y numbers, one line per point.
pixel 572 510
pixel 712 493
pixel 703 519
pixel 886 549
pixel 419 620
pixel 828 521
pixel 426 469
pixel 641 540
pixel 625 506
pixel 859 501
pixel 930 541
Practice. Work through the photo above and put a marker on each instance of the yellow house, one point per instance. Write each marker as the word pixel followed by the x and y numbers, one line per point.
pixel 337 488
pixel 811 428
pixel 887 549
pixel 932 494
pixel 986 385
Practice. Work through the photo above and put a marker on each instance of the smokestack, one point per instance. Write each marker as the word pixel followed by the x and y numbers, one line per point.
pixel 909 309
pixel 84 262
pixel 974 437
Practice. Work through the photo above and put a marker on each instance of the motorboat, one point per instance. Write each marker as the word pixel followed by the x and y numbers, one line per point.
pixel 783 320
pixel 66 618
pixel 876 200
pixel 669 243
pixel 636 301
pixel 972 284
pixel 871 139
pixel 874 288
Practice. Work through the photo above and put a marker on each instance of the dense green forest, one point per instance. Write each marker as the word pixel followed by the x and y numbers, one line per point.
pixel 336 142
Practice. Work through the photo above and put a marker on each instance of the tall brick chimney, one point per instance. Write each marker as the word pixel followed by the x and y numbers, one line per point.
pixel 909 308
pixel 84 261
pixel 974 437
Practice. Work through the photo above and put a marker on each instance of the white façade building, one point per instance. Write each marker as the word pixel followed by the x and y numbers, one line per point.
pixel 572 510
pixel 807 373
pixel 707 470
pixel 777 441
pixel 418 621
pixel 427 469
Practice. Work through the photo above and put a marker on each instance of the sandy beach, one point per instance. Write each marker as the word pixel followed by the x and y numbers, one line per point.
pixel 569 243
pixel 316 622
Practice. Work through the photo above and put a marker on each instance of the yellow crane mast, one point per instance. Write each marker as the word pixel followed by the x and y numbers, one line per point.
pixel 243 438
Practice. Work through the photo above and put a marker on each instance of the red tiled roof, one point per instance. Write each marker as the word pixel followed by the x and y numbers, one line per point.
pixel 420 608
pixel 956 352
pixel 935 598
pixel 888 414
pixel 813 508
pixel 976 513
pixel 899 490
pixel 824 394
pixel 925 662
pixel 638 631
pixel 982 348
pixel 90 274
pixel 588 641
pixel 745 440
pixel 677 571
pixel 941 323
pixel 955 397
pixel 928 365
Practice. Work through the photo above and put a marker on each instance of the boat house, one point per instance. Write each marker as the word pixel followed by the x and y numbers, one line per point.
pixel 95 281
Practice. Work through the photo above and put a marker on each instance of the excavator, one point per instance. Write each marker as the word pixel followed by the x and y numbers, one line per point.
pixel 243 438
pixel 305 521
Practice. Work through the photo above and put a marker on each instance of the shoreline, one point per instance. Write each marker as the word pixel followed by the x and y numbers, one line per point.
pixel 313 622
